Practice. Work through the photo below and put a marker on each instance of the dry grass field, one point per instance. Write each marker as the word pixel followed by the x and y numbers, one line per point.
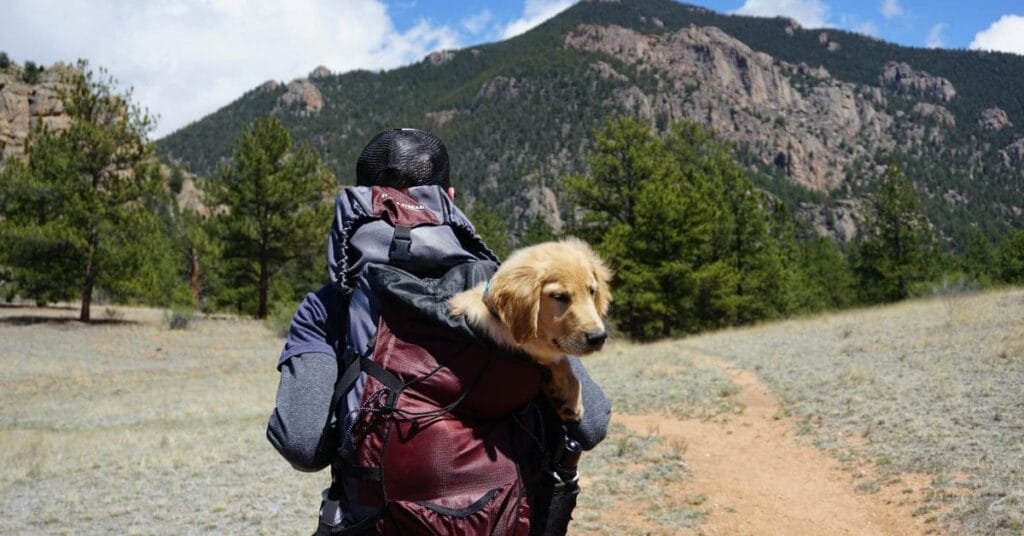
pixel 932 386
pixel 129 427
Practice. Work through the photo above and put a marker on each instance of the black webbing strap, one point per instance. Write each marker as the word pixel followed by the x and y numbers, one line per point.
pixel 360 472
pixel 363 364
pixel 363 527
pixel 344 382
pixel 385 377
pixel 401 245
pixel 367 365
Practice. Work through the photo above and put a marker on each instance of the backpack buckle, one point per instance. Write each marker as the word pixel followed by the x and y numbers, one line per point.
pixel 401 245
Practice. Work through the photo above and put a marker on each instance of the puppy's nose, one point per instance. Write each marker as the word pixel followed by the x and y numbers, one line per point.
pixel 595 339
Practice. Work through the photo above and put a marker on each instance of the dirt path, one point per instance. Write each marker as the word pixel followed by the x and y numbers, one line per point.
pixel 759 481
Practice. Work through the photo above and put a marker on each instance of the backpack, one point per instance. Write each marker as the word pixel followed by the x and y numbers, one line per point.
pixel 439 434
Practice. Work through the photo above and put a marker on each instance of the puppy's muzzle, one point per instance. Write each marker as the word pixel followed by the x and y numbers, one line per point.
pixel 595 340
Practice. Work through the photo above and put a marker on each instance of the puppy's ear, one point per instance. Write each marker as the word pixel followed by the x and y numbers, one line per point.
pixel 603 275
pixel 515 296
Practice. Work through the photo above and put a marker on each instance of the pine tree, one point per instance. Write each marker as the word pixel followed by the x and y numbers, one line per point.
pixel 80 213
pixel 624 212
pixel 30 73
pixel 828 281
pixel 536 232
pixel 1011 257
pixel 743 278
pixel 491 228
pixel 694 243
pixel 897 248
pixel 270 213
pixel 980 260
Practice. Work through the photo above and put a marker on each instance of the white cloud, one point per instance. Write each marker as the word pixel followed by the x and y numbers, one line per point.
pixel 867 28
pixel 186 58
pixel 475 24
pixel 934 38
pixel 534 13
pixel 892 9
pixel 1005 34
pixel 809 13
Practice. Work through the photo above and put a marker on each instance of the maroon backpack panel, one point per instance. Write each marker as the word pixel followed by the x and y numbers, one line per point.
pixel 436 433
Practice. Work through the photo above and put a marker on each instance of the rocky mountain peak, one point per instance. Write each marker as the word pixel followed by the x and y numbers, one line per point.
pixel 439 57
pixel 902 79
pixel 320 72
pixel 303 96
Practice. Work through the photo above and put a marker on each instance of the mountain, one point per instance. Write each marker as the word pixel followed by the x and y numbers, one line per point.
pixel 29 100
pixel 816 114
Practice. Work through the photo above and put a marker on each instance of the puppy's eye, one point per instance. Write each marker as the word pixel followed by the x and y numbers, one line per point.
pixel 593 291
pixel 564 298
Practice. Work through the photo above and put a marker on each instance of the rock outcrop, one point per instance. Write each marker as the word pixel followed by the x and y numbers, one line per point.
pixel 439 57
pixel 791 26
pixel 993 119
pixel 499 87
pixel 302 96
pixel 25 108
pixel 842 220
pixel 191 198
pixel 1013 154
pixel 902 79
pixel 440 118
pixel 320 72
pixel 825 40
pixel 939 114
pixel 793 116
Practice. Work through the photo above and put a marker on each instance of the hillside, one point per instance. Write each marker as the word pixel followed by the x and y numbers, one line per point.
pixel 815 113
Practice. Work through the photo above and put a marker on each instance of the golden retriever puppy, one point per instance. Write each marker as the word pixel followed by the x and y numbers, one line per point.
pixel 548 300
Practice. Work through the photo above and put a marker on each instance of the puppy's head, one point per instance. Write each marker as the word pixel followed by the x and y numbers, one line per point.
pixel 553 297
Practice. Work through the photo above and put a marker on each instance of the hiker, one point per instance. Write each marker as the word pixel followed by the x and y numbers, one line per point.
pixel 328 410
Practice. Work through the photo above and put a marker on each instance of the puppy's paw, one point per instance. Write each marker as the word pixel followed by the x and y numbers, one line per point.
pixel 459 304
pixel 563 389
pixel 569 412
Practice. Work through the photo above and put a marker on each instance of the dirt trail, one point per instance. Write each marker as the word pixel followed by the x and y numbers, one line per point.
pixel 759 481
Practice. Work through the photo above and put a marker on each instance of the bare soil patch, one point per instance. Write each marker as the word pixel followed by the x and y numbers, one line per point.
pixel 752 477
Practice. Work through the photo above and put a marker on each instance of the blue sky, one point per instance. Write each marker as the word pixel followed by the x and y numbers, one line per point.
pixel 187 58
pixel 919 23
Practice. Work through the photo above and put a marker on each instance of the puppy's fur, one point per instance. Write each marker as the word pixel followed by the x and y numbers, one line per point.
pixel 548 300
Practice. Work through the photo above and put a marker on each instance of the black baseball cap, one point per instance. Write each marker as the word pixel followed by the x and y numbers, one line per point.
pixel 403 157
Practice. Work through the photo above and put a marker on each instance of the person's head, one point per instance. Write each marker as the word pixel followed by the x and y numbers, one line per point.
pixel 404 157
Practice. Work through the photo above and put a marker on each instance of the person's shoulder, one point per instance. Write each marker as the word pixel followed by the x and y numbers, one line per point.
pixel 315 326
pixel 325 301
pixel 326 296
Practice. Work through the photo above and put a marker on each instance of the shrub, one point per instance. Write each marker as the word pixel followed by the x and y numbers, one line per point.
pixel 179 317
pixel 31 73
pixel 5 60
pixel 113 315
pixel 1011 257
pixel 280 318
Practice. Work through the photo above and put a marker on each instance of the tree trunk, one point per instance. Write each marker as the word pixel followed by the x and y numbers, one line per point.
pixel 261 311
pixel 194 277
pixel 90 276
